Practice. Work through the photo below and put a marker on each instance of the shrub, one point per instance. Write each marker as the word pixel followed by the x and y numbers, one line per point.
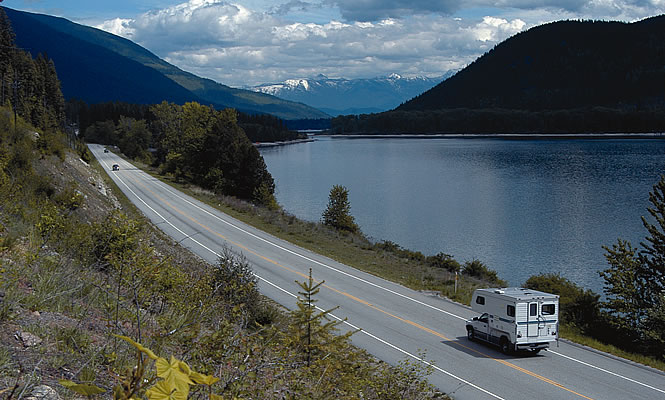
pixel 235 284
pixel 579 307
pixel 477 269
pixel 444 261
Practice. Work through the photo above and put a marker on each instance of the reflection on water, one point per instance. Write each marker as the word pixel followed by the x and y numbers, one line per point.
pixel 522 207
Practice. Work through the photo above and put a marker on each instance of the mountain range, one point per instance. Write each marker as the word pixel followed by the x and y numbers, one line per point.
pixel 351 96
pixel 97 66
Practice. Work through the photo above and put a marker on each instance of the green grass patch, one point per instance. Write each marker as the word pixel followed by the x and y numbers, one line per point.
pixel 573 335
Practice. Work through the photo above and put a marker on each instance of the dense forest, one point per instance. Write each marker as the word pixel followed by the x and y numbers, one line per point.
pixel 192 142
pixel 561 77
pixel 30 85
pixel 498 120
pixel 257 127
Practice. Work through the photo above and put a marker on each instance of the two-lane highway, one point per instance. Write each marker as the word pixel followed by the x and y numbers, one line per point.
pixel 396 322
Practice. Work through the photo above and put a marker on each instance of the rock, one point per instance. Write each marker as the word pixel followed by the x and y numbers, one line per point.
pixel 28 339
pixel 43 392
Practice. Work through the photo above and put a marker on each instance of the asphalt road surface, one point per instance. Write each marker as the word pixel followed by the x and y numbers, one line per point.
pixel 396 323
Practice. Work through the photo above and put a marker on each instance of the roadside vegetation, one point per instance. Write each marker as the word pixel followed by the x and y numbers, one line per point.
pixel 91 294
pixel 76 272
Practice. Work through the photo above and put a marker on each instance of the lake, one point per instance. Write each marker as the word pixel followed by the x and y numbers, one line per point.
pixel 523 207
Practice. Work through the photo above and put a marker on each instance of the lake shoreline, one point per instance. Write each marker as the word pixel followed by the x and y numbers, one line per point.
pixel 282 143
pixel 508 136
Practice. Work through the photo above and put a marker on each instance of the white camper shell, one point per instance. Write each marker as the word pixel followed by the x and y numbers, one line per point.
pixel 515 318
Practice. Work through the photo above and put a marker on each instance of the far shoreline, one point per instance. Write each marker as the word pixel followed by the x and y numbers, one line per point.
pixel 510 136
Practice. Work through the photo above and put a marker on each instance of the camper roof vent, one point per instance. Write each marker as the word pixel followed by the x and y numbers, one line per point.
pixel 499 291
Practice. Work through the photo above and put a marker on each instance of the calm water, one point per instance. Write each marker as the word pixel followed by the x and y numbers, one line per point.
pixel 522 207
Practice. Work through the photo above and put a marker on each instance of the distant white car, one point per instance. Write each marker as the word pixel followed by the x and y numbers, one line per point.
pixel 116 167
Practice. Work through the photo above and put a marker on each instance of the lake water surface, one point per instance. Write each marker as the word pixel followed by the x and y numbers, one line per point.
pixel 522 207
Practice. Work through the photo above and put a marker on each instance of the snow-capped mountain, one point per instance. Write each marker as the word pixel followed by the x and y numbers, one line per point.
pixel 351 96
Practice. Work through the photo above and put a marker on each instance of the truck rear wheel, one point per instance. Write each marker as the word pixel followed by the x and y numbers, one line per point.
pixel 504 344
pixel 470 334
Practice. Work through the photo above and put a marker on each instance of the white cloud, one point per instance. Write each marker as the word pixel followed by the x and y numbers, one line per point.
pixel 118 26
pixel 496 29
pixel 239 45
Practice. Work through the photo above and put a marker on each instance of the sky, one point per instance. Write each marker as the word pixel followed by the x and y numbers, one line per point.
pixel 249 42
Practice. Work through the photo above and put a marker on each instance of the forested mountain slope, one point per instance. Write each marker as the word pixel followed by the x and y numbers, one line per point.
pixel 562 65
pixel 97 66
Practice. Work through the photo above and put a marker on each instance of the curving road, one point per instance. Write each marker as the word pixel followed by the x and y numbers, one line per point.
pixel 396 322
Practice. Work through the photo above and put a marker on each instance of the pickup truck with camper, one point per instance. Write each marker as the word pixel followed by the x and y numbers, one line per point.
pixel 515 319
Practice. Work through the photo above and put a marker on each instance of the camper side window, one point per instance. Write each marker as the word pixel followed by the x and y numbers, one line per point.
pixel 548 309
pixel 480 300
pixel 533 309
pixel 510 310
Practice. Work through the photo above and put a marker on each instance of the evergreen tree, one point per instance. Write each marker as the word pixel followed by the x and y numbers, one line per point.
pixel 654 247
pixel 7 49
pixel 312 330
pixel 635 281
pixel 625 283
pixel 338 213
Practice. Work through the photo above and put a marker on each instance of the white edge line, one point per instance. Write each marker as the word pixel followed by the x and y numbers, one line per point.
pixel 392 345
pixel 169 189
pixel 607 371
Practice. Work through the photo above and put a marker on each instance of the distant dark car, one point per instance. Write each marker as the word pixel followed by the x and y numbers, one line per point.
pixel 106 150
pixel 116 167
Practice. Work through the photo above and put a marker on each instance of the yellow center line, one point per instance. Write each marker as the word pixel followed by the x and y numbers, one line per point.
pixel 370 305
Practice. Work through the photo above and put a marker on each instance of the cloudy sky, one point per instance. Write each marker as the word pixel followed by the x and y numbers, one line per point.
pixel 247 42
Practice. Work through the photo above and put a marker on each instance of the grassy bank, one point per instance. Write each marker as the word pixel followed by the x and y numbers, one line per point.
pixel 384 259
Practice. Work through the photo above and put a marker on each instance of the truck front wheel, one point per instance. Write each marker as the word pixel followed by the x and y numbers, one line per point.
pixel 469 334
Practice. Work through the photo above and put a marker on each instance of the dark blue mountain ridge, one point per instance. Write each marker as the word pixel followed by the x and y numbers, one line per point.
pixel 97 66
pixel 561 65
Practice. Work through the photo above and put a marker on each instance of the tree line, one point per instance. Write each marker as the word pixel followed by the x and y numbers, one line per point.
pixel 497 120
pixel 257 127
pixel 192 142
pixel 30 86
